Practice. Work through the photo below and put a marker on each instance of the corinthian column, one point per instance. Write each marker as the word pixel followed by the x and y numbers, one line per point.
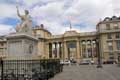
pixel 78 51
pixel 65 50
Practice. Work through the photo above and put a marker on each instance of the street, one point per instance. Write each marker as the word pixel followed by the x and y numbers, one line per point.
pixel 89 72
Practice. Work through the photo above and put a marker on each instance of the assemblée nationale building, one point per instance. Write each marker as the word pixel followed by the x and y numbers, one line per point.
pixel 77 45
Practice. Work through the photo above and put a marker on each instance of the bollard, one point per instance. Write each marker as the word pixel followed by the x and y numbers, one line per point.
pixel 119 61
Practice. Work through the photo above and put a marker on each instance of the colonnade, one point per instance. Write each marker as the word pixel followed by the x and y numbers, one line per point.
pixel 83 49
pixel 55 50
pixel 88 49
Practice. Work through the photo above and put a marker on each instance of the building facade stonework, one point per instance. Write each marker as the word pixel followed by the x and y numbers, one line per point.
pixel 76 45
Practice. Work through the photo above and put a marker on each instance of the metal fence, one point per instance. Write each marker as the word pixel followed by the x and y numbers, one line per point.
pixel 29 69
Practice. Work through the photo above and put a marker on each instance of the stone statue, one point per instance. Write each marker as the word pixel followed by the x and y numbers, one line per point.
pixel 26 23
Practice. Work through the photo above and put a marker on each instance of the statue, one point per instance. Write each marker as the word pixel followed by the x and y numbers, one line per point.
pixel 26 23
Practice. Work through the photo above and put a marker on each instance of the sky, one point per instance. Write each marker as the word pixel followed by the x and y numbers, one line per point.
pixel 56 15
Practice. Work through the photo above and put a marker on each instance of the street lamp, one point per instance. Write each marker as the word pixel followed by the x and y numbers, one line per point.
pixel 2 66
pixel 1 63
pixel 99 65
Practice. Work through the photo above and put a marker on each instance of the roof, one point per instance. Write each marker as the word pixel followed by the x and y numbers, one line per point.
pixel 41 28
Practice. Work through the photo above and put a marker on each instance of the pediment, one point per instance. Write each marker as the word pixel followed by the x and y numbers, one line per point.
pixel 71 33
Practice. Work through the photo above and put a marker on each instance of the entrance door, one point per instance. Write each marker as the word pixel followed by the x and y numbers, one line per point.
pixel 72 50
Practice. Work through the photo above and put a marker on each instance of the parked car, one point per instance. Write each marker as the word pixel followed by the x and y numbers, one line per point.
pixel 86 62
pixel 92 62
pixel 66 62
pixel 73 61
pixel 110 62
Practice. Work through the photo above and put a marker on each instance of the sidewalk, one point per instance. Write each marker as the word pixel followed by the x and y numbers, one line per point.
pixel 89 72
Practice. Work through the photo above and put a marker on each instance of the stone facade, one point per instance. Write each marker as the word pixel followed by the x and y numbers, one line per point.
pixel 21 45
pixel 78 46
pixel 109 34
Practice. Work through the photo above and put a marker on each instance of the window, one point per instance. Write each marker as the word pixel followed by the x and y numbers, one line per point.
pixel 117 35
pixel 89 52
pixel 94 52
pixel 83 42
pixel 111 56
pixel 115 26
pixel 107 19
pixel 109 36
pixel 118 44
pixel 109 43
pixel 72 45
pixel 93 42
pixel 88 42
pixel 84 55
pixel 2 44
pixel 110 47
pixel 84 51
pixel 119 56
pixel 108 26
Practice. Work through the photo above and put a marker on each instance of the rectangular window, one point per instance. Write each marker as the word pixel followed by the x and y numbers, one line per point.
pixel 2 44
pixel 111 56
pixel 94 52
pixel 84 51
pixel 115 26
pixel 109 36
pixel 110 46
pixel 118 44
pixel 117 35
pixel 84 55
pixel 89 52
pixel 108 26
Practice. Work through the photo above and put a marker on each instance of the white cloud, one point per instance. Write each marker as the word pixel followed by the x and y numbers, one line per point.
pixel 50 10
pixel 116 6
pixel 54 27
pixel 6 29
pixel 89 11
pixel 55 14
pixel 77 11
pixel 32 2
pixel 7 11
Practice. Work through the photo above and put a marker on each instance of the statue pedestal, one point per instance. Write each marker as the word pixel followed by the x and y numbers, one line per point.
pixel 21 44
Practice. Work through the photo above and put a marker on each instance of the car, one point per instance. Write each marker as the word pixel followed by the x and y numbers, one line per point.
pixel 110 62
pixel 86 62
pixel 65 62
pixel 73 61
pixel 92 62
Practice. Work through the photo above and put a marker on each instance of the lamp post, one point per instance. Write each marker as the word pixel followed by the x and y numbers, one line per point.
pixel 99 65
pixel 1 63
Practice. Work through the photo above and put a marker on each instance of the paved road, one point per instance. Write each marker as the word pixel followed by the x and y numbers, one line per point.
pixel 89 72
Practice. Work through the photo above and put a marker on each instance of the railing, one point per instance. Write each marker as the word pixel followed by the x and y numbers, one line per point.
pixel 87 33
pixel 29 69
pixel 108 31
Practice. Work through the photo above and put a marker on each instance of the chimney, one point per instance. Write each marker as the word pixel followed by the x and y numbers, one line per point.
pixel 42 26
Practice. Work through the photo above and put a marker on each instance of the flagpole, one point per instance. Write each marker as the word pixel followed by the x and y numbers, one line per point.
pixel 70 25
pixel 17 3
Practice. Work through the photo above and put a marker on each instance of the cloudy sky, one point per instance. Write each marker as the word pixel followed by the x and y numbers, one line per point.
pixel 56 15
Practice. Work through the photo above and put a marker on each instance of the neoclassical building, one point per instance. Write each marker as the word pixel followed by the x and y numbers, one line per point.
pixel 77 45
